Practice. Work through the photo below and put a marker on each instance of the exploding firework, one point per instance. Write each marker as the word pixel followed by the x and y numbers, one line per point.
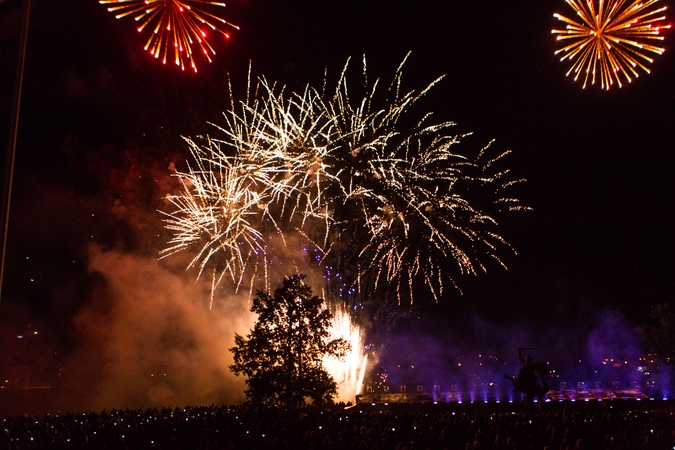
pixel 221 203
pixel 610 41
pixel 348 372
pixel 388 206
pixel 181 24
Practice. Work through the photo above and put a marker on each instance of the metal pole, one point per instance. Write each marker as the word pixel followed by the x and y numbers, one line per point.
pixel 14 131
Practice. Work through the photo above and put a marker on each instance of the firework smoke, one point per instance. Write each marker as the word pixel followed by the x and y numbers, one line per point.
pixel 149 339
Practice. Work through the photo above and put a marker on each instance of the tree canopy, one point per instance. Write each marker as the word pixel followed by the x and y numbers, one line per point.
pixel 283 355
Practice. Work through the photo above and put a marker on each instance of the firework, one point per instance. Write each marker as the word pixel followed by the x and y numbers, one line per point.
pixel 383 204
pixel 220 203
pixel 348 372
pixel 610 40
pixel 177 27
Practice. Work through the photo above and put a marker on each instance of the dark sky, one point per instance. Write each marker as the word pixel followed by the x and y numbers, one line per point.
pixel 101 123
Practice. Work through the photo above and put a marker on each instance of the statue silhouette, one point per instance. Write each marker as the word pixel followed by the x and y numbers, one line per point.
pixel 526 380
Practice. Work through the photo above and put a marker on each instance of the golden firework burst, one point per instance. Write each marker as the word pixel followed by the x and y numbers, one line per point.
pixel 610 41
pixel 347 178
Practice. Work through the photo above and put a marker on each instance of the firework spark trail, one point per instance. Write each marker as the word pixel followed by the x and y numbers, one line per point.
pixel 610 40
pixel 219 206
pixel 282 141
pixel 180 24
pixel 348 178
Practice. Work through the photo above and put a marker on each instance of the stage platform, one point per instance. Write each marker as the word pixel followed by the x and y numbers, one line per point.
pixel 571 395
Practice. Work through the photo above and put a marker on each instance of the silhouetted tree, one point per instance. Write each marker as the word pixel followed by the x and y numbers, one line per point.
pixel 282 356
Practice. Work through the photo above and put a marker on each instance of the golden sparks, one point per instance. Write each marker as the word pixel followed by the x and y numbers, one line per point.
pixel 610 40
pixel 387 203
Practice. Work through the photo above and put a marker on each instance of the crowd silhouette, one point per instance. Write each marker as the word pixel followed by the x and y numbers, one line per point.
pixel 611 425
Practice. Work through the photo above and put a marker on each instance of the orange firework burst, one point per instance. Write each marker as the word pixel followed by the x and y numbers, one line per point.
pixel 609 42
pixel 174 23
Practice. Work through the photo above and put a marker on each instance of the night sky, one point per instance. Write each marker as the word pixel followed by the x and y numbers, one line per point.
pixel 101 122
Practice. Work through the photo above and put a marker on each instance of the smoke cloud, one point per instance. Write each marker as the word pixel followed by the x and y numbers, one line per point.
pixel 472 354
pixel 149 338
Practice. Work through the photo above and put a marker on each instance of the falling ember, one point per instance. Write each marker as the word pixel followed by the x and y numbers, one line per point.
pixel 609 42
pixel 176 24
pixel 348 373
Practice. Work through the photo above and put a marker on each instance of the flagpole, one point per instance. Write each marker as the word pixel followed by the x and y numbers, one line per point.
pixel 14 131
